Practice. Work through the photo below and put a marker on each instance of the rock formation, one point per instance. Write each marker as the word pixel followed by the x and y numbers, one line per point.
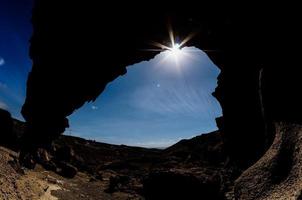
pixel 78 48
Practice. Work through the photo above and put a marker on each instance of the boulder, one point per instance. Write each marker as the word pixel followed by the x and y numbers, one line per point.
pixel 187 184
pixel 67 170
pixel 116 183
pixel 64 153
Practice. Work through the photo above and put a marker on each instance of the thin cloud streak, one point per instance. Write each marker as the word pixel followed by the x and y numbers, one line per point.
pixel 2 61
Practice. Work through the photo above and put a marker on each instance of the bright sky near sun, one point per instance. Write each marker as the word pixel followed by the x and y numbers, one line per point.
pixel 155 104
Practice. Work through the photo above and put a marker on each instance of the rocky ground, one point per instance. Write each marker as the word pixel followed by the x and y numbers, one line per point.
pixel 75 168
pixel 18 184
pixel 47 185
pixel 192 167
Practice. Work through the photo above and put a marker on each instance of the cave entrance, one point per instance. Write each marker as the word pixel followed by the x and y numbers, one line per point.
pixel 155 104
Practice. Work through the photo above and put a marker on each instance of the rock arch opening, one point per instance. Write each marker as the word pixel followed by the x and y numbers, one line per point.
pixel 155 104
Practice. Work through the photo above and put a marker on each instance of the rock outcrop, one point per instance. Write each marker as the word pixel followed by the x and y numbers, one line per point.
pixel 278 174
pixel 206 148
pixel 7 136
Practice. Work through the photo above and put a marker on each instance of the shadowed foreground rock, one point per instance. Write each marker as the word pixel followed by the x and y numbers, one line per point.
pixel 7 136
pixel 278 174
pixel 183 184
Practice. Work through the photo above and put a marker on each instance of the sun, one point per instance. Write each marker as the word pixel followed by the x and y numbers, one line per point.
pixel 175 53
pixel 175 50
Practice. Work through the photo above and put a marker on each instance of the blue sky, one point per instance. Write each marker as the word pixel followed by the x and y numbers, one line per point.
pixel 15 31
pixel 155 104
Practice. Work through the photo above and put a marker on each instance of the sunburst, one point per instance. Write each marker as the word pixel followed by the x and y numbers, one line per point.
pixel 175 51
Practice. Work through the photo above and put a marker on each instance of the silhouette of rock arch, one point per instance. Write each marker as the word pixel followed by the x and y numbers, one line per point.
pixel 77 48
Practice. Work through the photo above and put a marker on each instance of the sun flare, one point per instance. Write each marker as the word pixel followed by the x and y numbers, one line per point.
pixel 175 50
pixel 175 53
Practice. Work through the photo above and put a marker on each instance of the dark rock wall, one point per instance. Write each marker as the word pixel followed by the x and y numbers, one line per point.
pixel 77 48
pixel 9 131
pixel 6 127
pixel 277 175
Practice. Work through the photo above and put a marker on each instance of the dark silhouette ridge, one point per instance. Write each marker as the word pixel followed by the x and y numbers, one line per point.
pixel 6 127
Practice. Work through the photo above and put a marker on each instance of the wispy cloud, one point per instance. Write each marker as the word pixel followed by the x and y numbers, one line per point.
pixel 94 107
pixel 182 100
pixel 2 61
